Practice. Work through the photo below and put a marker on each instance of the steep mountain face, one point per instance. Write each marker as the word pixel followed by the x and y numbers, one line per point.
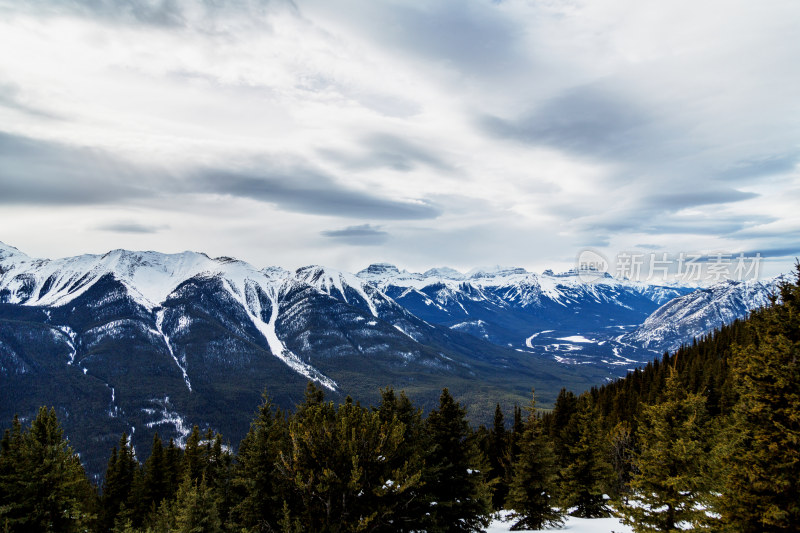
pixel 693 315
pixel 562 315
pixel 144 342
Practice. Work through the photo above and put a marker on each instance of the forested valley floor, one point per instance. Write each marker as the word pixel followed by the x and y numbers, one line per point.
pixel 705 439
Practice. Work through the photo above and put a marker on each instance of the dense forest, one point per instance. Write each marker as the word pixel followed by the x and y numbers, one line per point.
pixel 706 438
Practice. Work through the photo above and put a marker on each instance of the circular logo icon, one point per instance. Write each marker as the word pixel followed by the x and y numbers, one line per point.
pixel 591 266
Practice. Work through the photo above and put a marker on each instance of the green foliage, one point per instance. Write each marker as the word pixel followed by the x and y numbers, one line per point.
pixel 43 486
pixel 759 456
pixel 585 472
pixel 530 494
pixel 340 463
pixel 457 492
pixel 499 458
pixel 118 482
pixel 257 484
pixel 644 439
pixel 196 508
pixel 671 483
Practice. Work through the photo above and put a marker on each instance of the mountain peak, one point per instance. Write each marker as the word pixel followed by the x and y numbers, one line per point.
pixel 6 250
pixel 379 270
pixel 444 272
pixel 495 272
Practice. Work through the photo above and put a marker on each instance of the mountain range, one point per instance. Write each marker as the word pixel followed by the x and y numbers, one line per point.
pixel 146 342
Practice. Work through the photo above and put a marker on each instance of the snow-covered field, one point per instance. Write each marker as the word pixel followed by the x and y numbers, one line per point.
pixel 571 524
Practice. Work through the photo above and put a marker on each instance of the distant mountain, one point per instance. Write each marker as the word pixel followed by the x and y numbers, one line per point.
pixel 530 312
pixel 144 342
pixel 680 320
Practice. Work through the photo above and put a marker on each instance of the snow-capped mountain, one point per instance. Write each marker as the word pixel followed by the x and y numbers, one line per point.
pixel 144 342
pixel 512 307
pixel 680 320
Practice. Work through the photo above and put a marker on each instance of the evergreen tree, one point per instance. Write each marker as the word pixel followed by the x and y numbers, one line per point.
pixel 43 486
pixel 338 466
pixel 671 479
pixel 457 492
pixel 621 445
pixel 562 425
pixel 530 494
pixel 173 468
pixel 195 509
pixel 498 458
pixel 155 474
pixel 118 482
pixel 760 454
pixel 408 506
pixel 257 482
pixel 586 473
pixel 193 455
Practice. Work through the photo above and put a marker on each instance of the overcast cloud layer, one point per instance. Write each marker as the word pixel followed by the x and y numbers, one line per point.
pixel 454 132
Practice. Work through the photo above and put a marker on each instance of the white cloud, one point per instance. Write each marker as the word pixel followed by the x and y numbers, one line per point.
pixel 532 128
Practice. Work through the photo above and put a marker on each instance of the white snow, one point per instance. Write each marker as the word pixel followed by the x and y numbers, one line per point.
pixel 577 338
pixel 160 327
pixel 276 346
pixel 528 341
pixel 502 523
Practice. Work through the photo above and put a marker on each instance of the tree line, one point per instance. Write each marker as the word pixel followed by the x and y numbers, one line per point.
pixel 704 439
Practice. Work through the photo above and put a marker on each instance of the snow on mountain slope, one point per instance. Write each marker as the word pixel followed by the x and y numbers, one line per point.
pixel 513 284
pixel 695 314
pixel 150 278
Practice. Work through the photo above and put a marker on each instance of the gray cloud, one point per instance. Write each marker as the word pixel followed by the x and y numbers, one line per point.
pixel 159 13
pixel 475 38
pixel 305 190
pixel 131 227
pixel 10 97
pixel 362 235
pixel 48 173
pixel 154 12
pixel 674 201
pixel 590 120
pixel 389 151
pixel 777 252
pixel 769 165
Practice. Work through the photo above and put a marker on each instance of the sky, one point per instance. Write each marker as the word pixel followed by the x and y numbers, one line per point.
pixel 422 133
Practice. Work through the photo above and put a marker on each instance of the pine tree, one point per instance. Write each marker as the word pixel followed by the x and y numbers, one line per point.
pixel 195 509
pixel 43 486
pixel 759 455
pixel 118 482
pixel 530 494
pixel 456 489
pixel 154 481
pixel 586 473
pixel 193 455
pixel 339 466
pixel 498 458
pixel 407 506
pixel 562 428
pixel 621 444
pixel 671 479
pixel 257 482
pixel 173 468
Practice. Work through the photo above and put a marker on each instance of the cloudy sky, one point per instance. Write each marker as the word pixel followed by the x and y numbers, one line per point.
pixel 438 132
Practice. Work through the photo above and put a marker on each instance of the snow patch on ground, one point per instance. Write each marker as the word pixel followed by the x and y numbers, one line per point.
pixel 576 338
pixel 502 523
